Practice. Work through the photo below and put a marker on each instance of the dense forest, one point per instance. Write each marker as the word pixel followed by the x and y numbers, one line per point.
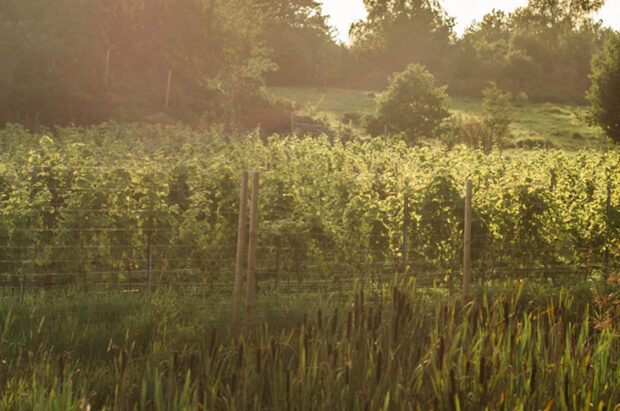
pixel 87 61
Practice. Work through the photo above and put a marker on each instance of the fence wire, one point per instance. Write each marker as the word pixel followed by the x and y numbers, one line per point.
pixel 66 249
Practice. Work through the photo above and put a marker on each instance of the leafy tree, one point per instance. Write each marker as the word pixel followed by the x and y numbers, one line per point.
pixel 52 61
pixel 302 43
pixel 397 33
pixel 497 110
pixel 54 58
pixel 543 49
pixel 412 105
pixel 604 95
pixel 480 55
pixel 215 47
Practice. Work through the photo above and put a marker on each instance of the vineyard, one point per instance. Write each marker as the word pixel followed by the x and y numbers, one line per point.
pixel 107 205
pixel 369 233
pixel 231 205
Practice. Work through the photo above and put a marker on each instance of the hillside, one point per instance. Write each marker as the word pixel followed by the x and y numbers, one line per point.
pixel 561 124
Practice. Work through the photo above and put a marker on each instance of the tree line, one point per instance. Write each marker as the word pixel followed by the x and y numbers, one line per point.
pixel 85 61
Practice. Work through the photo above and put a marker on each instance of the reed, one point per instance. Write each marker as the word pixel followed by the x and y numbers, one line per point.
pixel 511 347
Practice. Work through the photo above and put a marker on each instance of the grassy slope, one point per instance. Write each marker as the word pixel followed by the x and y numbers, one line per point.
pixel 558 123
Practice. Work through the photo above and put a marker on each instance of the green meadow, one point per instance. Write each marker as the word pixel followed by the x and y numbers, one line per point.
pixel 561 124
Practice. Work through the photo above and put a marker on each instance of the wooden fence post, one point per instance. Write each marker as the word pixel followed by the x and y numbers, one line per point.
pixel 251 285
pixel 30 267
pixel 292 122
pixel 608 214
pixel 168 89
pixel 24 285
pixel 405 226
pixel 243 207
pixel 107 67
pixel 150 268
pixel 279 239
pixel 467 243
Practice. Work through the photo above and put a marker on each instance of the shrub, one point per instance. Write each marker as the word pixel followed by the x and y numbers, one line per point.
pixel 411 106
pixel 353 118
pixel 535 143
pixel 471 131
pixel 497 110
pixel 521 99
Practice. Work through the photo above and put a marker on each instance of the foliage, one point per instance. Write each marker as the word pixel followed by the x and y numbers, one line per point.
pixel 82 201
pixel 534 143
pixel 604 95
pixel 395 348
pixel 468 129
pixel 543 49
pixel 52 65
pixel 497 110
pixel 556 122
pixel 521 99
pixel 411 105
pixel 302 42
pixel 395 34
pixel 87 61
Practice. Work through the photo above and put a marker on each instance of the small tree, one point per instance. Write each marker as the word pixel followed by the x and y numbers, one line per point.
pixel 497 110
pixel 411 105
pixel 604 94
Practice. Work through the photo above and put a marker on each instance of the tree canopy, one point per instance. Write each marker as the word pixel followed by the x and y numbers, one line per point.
pixel 543 49
pixel 397 33
pixel 604 95
pixel 84 61
pixel 302 43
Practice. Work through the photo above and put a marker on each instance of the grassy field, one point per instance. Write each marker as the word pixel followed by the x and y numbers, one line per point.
pixel 515 346
pixel 558 123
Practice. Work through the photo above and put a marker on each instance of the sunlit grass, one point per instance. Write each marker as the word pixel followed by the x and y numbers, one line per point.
pixel 561 124
pixel 517 345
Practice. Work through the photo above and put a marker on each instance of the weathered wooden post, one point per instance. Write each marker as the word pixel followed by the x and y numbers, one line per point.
pixel 292 122
pixel 467 243
pixel 168 89
pixel 243 207
pixel 107 67
pixel 150 267
pixel 279 239
pixel 251 285
pixel 608 214
pixel 405 225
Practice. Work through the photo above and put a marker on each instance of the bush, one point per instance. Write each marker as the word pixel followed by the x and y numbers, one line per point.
pixel 604 94
pixel 535 143
pixel 471 131
pixel 353 118
pixel 521 99
pixel 411 105
pixel 497 110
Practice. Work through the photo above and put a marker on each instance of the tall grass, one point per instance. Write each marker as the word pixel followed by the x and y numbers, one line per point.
pixel 396 348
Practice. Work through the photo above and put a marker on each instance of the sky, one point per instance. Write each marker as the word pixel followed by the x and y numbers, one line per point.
pixel 343 12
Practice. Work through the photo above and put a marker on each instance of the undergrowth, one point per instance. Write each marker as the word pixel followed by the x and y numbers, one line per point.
pixel 514 345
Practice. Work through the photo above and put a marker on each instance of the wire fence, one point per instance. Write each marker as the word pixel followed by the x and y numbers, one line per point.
pixel 65 248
